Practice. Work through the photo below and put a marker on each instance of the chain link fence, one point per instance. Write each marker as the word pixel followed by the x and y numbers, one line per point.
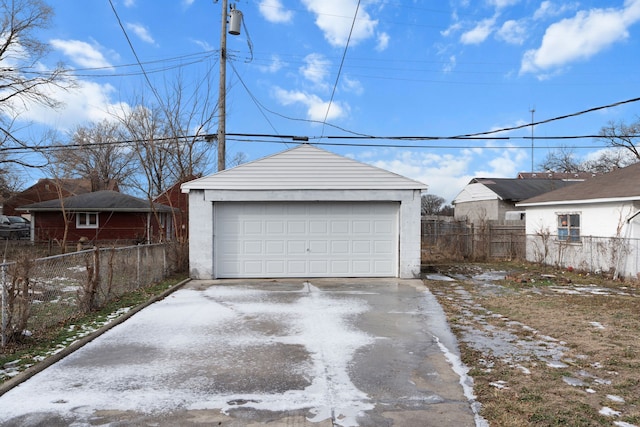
pixel 40 293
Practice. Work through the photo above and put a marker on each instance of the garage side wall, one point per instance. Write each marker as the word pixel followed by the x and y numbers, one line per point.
pixel 202 210
pixel 200 236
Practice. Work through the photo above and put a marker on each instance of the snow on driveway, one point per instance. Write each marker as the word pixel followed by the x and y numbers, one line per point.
pixel 140 364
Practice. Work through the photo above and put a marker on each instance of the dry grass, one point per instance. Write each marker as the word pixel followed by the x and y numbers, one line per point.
pixel 547 348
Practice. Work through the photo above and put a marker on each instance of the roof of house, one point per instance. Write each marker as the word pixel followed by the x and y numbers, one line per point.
pixel 567 176
pixel 304 167
pixel 98 201
pixel 508 189
pixel 619 184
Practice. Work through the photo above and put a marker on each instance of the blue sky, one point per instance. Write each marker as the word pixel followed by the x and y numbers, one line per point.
pixel 411 68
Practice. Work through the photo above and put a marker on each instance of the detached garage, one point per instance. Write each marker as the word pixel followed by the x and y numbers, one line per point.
pixel 304 212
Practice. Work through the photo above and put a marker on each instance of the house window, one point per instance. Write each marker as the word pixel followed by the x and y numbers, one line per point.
pixel 87 220
pixel 569 227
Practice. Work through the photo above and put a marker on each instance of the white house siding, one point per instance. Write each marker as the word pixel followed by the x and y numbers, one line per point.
pixel 608 242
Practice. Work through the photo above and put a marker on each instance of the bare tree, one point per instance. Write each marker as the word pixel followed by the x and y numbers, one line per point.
pixel 22 79
pixel 563 159
pixel 608 160
pixel 169 139
pixel 431 204
pixel 621 135
pixel 96 152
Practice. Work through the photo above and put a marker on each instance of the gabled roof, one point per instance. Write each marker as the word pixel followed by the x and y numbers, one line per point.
pixel 304 167
pixel 508 189
pixel 618 185
pixel 98 201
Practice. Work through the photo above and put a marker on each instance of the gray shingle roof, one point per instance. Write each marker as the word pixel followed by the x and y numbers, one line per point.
pixel 623 183
pixel 515 190
pixel 98 201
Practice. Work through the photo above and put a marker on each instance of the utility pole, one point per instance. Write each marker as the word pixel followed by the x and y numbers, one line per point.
pixel 236 20
pixel 222 91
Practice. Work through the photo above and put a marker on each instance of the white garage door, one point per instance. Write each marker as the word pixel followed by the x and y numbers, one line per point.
pixel 306 239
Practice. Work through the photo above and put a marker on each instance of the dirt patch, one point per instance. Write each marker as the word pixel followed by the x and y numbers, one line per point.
pixel 545 347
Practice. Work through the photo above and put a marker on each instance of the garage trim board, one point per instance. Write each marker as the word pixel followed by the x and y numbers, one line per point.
pixel 306 239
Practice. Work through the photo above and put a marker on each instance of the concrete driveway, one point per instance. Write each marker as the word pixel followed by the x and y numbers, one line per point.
pixel 348 352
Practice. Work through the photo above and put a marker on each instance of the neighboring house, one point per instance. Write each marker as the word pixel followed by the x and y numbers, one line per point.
pixel 304 212
pixel 49 189
pixel 494 199
pixel 174 198
pixel 99 217
pixel 592 225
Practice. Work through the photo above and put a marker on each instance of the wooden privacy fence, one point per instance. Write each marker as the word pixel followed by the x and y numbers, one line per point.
pixel 444 239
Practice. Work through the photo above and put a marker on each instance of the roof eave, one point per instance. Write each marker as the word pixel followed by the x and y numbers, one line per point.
pixel 580 201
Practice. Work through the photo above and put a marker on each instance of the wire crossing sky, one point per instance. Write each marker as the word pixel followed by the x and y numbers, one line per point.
pixel 374 80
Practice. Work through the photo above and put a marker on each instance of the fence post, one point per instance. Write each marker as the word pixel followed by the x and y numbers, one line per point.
pixel 5 315
pixel 138 266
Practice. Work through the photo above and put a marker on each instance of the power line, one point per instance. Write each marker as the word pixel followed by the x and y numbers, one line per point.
pixel 344 55
pixel 144 73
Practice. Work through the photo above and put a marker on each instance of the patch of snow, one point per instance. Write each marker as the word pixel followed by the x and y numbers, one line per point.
pixel 623 424
pixel 597 325
pixel 500 385
pixel 440 277
pixel 615 398
pixel 590 391
pixel 575 382
pixel 608 412
pixel 556 364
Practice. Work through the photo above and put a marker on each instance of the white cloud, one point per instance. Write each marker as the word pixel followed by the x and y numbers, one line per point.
pixel 479 33
pixel 352 85
pixel 513 32
pixel 453 28
pixel 549 9
pixel 445 175
pixel 274 65
pixel 141 31
pixel 450 64
pixel 81 53
pixel 334 18
pixel 129 3
pixel 316 107
pixel 501 4
pixel 383 42
pixel 88 102
pixel 273 11
pixel 316 68
pixel 581 37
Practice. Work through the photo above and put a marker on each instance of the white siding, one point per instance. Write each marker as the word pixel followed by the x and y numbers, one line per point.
pixel 304 168
pixel 599 222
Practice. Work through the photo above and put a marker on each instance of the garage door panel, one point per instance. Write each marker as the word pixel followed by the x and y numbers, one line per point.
pixel 361 227
pixel 275 227
pixel 296 247
pixel 306 239
pixel 339 226
pixel 296 227
pixel 361 247
pixel 318 227
pixel 340 247
pixel 275 247
pixel 319 247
